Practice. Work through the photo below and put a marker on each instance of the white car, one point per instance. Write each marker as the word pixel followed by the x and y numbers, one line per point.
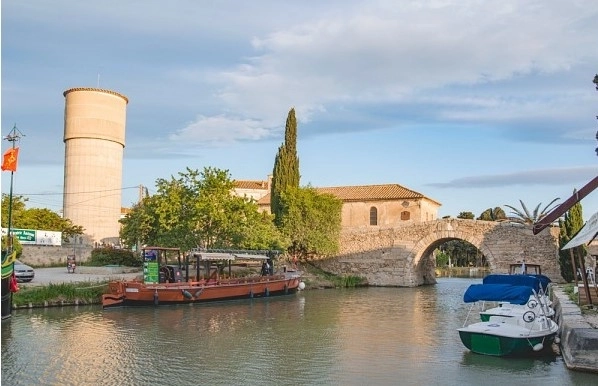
pixel 23 272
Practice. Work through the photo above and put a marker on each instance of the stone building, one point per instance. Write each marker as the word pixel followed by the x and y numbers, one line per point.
pixel 363 205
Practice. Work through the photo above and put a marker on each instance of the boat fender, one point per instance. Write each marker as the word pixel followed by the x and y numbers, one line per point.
pixel 557 340
pixel 286 289
pixel 156 300
pixel 538 347
pixel 198 292
pixel 250 294
pixel 267 292
pixel 187 294
pixel 301 285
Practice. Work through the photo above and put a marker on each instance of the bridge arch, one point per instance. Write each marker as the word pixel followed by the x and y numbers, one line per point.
pixel 402 255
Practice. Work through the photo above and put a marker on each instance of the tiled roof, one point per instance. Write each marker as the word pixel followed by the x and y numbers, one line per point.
pixel 366 193
pixel 250 184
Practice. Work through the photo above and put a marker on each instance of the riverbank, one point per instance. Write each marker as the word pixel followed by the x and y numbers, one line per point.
pixel 578 332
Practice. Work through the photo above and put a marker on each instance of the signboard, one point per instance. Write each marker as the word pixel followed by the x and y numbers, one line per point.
pixel 35 237
pixel 151 272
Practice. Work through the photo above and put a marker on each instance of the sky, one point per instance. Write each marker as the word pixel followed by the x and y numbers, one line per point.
pixel 475 104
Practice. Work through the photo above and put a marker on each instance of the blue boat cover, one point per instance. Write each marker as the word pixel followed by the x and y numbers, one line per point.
pixel 544 280
pixel 516 294
pixel 536 282
pixel 524 280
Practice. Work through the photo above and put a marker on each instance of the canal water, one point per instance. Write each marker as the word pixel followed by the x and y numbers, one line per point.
pixel 367 336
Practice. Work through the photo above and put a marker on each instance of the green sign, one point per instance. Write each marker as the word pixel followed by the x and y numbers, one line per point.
pixel 150 272
pixel 24 234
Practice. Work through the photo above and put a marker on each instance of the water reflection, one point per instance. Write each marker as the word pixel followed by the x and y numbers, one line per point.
pixel 380 336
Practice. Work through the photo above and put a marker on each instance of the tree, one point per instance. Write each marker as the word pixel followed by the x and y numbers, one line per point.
pixel 199 210
pixel 569 227
pixel 496 214
pixel 466 215
pixel 37 218
pixel 285 174
pixel 311 221
pixel 526 217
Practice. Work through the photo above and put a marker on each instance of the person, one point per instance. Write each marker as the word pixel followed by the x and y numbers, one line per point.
pixel 265 268
pixel 295 261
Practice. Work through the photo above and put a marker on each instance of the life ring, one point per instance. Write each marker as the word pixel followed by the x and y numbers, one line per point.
pixel 532 303
pixel 529 316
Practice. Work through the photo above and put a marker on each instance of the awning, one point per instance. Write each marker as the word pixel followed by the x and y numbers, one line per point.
pixel 586 234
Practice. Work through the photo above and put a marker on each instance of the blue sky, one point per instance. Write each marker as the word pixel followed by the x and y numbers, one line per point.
pixel 475 104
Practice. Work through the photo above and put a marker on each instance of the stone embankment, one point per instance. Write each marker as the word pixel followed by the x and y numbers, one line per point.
pixel 578 333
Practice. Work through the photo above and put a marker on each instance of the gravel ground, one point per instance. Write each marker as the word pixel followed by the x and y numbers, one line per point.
pixel 44 276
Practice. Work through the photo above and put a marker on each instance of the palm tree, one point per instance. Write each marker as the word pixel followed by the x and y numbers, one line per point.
pixel 525 217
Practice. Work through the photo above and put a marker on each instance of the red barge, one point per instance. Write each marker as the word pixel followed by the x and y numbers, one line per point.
pixel 169 279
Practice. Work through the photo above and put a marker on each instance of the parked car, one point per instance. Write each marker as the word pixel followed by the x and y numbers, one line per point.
pixel 23 272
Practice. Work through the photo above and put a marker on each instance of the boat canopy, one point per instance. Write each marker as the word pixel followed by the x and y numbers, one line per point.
pixel 536 282
pixel 211 255
pixel 515 294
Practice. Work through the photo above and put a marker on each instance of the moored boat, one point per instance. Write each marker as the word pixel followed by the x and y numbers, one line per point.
pixel 518 334
pixel 169 279
pixel 539 302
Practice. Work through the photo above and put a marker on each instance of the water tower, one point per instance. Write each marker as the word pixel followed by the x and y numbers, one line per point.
pixel 94 138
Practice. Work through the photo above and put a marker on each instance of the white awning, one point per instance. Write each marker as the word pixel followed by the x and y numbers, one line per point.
pixel 213 256
pixel 586 234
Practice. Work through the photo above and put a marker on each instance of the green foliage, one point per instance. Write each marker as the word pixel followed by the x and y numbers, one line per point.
pixel 466 215
pixel 526 217
pixel 84 293
pixel 463 254
pixel 37 218
pixel 112 256
pixel 16 245
pixel 198 210
pixel 339 281
pixel 442 259
pixel 285 174
pixel 311 221
pixel 496 214
pixel 569 227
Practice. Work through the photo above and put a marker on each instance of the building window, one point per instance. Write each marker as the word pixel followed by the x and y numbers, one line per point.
pixel 405 215
pixel 373 216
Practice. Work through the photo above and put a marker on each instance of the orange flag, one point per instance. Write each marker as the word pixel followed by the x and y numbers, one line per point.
pixel 9 162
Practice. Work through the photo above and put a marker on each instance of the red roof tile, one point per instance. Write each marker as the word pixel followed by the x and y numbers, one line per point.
pixel 366 193
pixel 250 184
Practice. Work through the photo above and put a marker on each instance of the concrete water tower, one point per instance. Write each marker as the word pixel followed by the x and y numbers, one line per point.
pixel 94 139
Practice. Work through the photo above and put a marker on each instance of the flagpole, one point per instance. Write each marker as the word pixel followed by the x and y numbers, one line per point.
pixel 13 136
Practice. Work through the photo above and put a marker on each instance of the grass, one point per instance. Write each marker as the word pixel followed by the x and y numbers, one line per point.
pixel 337 281
pixel 568 289
pixel 57 294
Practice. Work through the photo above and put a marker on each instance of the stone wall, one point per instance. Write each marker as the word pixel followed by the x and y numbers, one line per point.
pixel 39 255
pixel 402 255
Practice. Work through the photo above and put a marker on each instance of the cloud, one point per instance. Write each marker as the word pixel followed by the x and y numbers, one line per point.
pixel 550 177
pixel 218 129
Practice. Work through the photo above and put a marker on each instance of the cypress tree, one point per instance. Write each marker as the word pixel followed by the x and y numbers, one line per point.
pixel 569 227
pixel 286 167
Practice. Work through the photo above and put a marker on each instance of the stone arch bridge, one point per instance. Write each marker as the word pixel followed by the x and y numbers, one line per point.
pixel 403 255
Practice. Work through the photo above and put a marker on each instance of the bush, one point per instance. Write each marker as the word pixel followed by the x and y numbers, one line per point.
pixel 111 256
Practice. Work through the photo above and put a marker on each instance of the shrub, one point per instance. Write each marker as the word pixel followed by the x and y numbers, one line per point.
pixel 111 256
